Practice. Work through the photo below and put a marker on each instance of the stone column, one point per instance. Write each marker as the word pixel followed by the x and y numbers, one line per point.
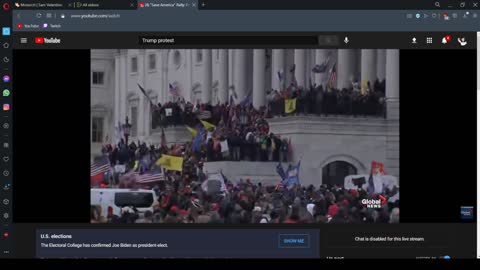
pixel 141 97
pixel 240 76
pixel 116 113
pixel 207 76
pixel 393 84
pixel 123 87
pixel 300 67
pixel 381 63
pixel 187 89
pixel 321 56
pixel 147 119
pixel 369 67
pixel 223 76
pixel 230 70
pixel 259 78
pixel 393 112
pixel 278 65
pixel 164 85
pixel 346 68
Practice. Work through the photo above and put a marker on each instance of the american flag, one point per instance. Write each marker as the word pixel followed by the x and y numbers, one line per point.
pixel 174 90
pixel 332 80
pixel 99 167
pixel 150 177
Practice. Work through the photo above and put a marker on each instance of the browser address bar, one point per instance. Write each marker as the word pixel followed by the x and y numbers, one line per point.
pixel 95 16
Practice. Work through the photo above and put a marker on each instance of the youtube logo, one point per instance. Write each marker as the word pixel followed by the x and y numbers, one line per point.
pixel 47 40
pixel 19 26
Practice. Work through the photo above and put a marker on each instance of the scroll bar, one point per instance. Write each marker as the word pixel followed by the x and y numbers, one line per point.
pixel 478 145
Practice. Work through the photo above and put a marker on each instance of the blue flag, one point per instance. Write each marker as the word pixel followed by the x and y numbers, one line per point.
pixel 280 76
pixel 247 100
pixel 197 142
pixel 292 176
pixel 281 172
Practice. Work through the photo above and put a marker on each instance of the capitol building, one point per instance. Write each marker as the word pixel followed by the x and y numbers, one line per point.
pixel 330 147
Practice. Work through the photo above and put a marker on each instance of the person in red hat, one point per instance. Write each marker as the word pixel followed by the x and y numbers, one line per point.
pixel 215 207
pixel 332 210
pixel 354 193
pixel 174 209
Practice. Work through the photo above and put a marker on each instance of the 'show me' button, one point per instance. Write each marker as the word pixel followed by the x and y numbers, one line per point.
pixel 293 241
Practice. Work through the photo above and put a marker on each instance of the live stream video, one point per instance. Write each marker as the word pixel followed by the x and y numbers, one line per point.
pixel 233 136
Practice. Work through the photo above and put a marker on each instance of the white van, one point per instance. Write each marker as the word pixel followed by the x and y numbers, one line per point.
pixel 113 200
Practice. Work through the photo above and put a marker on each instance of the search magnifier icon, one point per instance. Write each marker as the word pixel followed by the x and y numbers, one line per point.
pixel 437 4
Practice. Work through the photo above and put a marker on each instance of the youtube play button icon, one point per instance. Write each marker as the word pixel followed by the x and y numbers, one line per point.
pixel 39 40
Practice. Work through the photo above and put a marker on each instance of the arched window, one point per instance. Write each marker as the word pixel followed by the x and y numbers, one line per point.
pixel 199 56
pixel 196 93
pixel 133 104
pixel 177 59
pixel 334 173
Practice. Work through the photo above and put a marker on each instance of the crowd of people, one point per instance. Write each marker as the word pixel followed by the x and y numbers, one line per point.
pixel 331 101
pixel 317 100
pixel 241 132
pixel 232 132
pixel 183 201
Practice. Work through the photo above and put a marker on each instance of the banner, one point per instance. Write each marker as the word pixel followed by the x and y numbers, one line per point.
pixel 379 182
pixel 204 115
pixel 119 168
pixel 290 105
pixel 172 163
pixel 214 184
pixel 224 146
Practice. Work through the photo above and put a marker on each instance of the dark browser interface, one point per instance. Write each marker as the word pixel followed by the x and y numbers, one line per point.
pixel 129 133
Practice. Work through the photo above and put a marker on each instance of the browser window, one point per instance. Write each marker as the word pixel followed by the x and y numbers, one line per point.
pixel 239 129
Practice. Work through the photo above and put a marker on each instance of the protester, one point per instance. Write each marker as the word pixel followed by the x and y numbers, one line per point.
pixel 327 100
pixel 238 132
pixel 245 202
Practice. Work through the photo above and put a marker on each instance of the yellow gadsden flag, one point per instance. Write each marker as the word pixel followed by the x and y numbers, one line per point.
pixel 290 105
pixel 172 163
pixel 364 87
pixel 207 125
pixel 193 131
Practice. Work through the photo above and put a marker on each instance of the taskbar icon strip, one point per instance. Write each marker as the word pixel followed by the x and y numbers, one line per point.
pixel 5 129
